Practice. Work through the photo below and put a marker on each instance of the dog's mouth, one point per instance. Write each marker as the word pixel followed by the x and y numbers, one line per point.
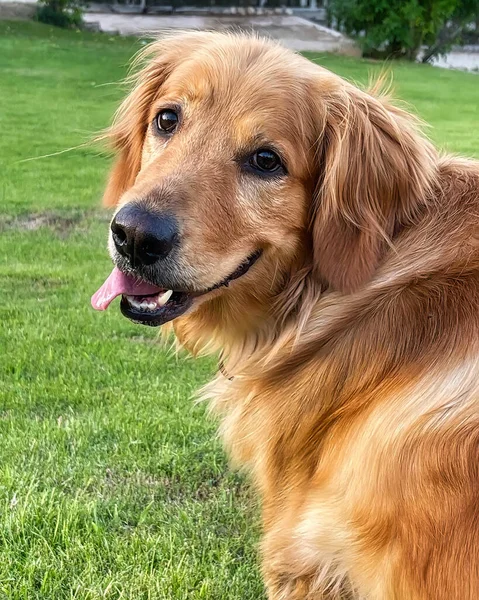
pixel 156 309
pixel 148 304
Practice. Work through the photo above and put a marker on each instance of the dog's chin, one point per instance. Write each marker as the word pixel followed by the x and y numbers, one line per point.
pixel 166 305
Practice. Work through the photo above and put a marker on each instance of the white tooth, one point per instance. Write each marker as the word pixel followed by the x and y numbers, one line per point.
pixel 163 298
pixel 151 305
pixel 144 304
pixel 132 300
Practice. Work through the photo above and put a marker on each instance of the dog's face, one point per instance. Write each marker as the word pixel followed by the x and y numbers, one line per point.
pixel 225 161
pixel 222 150
pixel 224 179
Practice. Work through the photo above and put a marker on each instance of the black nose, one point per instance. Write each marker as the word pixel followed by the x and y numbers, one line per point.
pixel 143 236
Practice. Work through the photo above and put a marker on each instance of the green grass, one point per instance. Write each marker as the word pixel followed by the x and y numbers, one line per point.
pixel 112 482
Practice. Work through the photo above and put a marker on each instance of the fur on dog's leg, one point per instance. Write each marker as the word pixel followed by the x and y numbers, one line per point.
pixel 286 587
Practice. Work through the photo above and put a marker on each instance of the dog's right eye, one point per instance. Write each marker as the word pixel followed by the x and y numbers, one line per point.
pixel 265 162
pixel 167 121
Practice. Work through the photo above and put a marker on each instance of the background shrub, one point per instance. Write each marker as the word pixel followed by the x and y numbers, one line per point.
pixel 400 28
pixel 61 13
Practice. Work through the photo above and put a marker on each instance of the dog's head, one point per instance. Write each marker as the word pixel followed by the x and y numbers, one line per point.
pixel 239 165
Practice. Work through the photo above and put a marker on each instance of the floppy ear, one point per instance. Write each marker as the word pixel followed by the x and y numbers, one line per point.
pixel 375 174
pixel 130 123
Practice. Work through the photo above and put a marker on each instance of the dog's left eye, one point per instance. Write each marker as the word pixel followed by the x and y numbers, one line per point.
pixel 167 121
pixel 265 161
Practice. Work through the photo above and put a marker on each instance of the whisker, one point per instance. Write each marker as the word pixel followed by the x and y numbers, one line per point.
pixel 64 151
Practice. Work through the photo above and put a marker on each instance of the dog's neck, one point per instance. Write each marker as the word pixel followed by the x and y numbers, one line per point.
pixel 223 327
pixel 238 327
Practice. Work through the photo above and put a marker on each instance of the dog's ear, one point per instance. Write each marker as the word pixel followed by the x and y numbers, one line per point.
pixel 152 67
pixel 375 172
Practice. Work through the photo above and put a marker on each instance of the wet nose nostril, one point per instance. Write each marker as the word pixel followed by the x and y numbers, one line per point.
pixel 119 237
pixel 151 250
pixel 119 230
pixel 154 248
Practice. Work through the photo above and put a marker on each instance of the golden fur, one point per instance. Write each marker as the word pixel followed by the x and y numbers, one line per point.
pixel 353 342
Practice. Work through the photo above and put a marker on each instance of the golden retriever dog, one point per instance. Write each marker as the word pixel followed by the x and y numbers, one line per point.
pixel 307 232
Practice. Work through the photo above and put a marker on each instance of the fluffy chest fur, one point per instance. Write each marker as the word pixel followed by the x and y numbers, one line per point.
pixel 337 510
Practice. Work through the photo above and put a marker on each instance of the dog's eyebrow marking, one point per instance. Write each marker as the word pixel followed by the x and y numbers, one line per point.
pixel 186 83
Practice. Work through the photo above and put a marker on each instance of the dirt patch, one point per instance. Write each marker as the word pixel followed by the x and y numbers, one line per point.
pixel 31 283
pixel 53 221
pixel 62 223
pixel 175 489
pixel 16 11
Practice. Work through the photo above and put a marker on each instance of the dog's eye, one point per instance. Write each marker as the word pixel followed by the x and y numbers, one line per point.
pixel 266 161
pixel 167 121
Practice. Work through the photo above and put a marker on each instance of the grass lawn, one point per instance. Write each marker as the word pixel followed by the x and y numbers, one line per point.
pixel 112 483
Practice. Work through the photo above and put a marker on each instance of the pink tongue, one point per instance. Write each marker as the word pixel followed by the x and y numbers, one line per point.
pixel 117 284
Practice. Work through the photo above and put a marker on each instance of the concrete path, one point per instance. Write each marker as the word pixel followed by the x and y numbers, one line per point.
pixel 463 59
pixel 294 32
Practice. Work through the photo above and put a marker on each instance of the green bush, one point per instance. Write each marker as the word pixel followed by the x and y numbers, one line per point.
pixel 61 13
pixel 400 28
